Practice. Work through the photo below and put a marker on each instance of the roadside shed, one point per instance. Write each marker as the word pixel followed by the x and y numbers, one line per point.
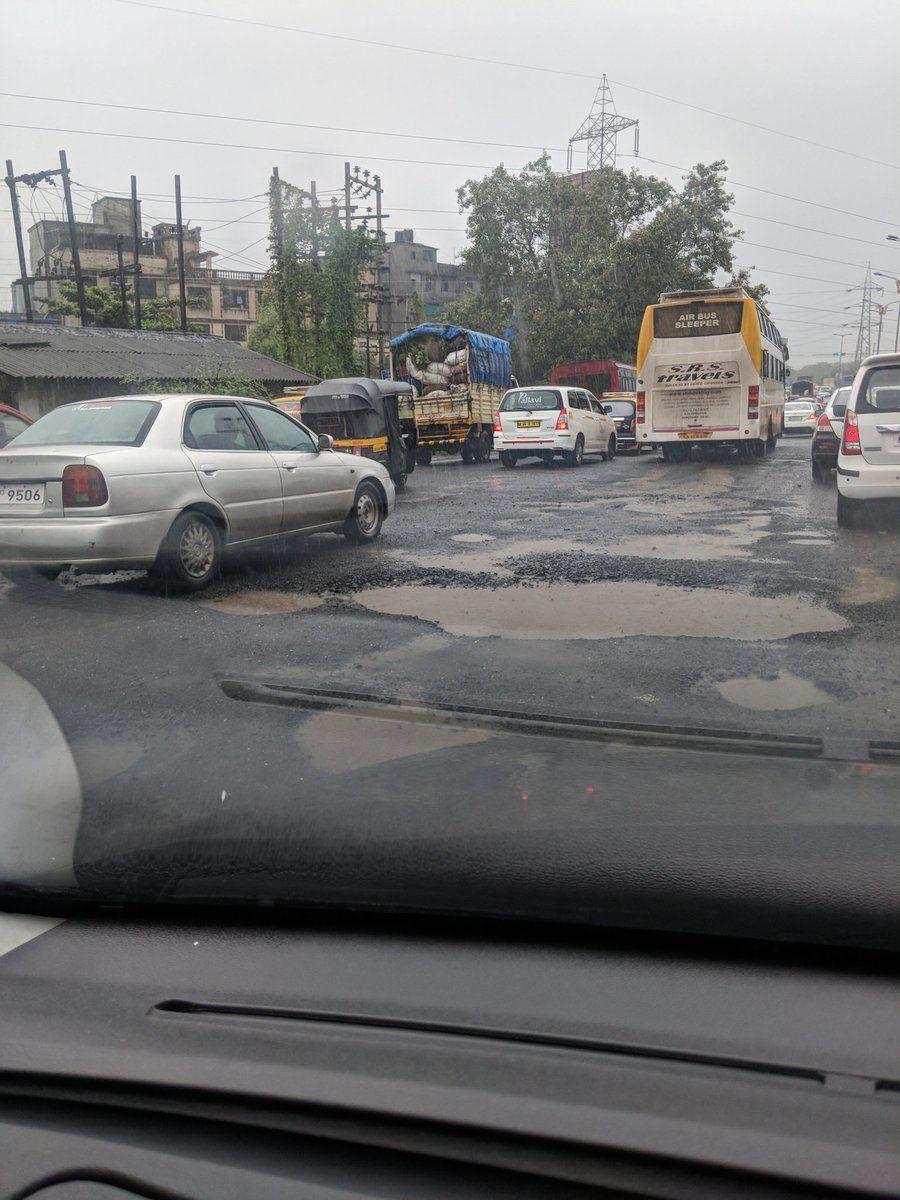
pixel 43 366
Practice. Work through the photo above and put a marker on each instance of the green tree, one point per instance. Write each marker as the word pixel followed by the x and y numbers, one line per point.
pixel 312 312
pixel 570 270
pixel 104 308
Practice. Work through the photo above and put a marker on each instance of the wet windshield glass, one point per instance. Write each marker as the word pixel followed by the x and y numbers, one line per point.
pixel 425 502
pixel 93 422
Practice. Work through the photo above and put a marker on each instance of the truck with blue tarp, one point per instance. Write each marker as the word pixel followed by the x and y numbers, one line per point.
pixel 459 377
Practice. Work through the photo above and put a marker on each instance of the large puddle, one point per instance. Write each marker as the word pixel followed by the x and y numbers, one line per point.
pixel 735 540
pixel 779 693
pixel 595 611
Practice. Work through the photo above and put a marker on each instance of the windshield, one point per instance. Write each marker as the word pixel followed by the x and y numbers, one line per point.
pixel 92 422
pixel 319 590
pixel 531 400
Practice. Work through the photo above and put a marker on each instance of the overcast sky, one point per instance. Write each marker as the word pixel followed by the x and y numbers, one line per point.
pixel 823 70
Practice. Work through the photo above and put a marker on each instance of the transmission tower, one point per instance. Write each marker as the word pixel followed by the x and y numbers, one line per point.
pixel 600 129
pixel 864 335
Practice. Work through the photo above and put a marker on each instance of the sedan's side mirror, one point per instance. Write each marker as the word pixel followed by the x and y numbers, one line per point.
pixel 326 441
pixel 607 408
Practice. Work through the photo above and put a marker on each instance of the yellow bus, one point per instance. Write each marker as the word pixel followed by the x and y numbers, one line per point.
pixel 711 370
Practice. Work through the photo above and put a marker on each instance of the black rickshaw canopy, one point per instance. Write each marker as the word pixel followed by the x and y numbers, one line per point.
pixel 374 405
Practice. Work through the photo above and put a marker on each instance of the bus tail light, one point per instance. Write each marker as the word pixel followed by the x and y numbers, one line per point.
pixel 562 421
pixel 641 401
pixel 850 443
pixel 498 428
pixel 753 403
pixel 83 487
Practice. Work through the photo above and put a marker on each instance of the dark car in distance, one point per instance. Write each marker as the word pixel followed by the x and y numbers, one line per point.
pixel 826 438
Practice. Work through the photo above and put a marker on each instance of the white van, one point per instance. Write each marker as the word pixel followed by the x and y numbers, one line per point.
pixel 546 421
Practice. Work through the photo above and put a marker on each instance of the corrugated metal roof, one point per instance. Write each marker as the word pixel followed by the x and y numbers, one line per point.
pixel 59 352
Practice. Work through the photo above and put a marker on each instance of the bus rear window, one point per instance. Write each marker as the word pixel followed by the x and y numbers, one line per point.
pixel 698 319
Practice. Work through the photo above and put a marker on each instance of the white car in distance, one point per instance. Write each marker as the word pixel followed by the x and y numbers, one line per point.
pixel 800 416
pixel 548 422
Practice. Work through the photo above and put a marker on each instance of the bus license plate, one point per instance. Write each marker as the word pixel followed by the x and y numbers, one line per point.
pixel 528 424
pixel 696 433
pixel 21 495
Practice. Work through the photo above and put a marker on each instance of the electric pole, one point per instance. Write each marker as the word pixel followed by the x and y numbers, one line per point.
pixel 136 254
pixel 347 208
pixel 123 295
pixel 20 245
pixel 73 238
pixel 182 290
pixel 277 215
pixel 600 129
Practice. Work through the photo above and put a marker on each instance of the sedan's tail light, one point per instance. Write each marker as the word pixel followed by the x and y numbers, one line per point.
pixel 83 487
pixel 823 425
pixel 562 421
pixel 753 403
pixel 850 443
pixel 498 428
pixel 641 407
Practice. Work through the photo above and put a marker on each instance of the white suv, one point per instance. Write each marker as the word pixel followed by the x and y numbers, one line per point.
pixel 868 466
pixel 547 421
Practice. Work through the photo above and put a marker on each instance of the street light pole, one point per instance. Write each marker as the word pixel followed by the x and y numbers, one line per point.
pixel 885 275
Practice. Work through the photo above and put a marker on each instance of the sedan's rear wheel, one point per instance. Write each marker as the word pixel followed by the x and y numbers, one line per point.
pixel 190 556
pixel 365 520
pixel 508 458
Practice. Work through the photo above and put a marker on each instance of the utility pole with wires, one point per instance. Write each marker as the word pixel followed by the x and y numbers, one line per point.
pixel 73 238
pixel 179 224
pixel 136 252
pixel 366 185
pixel 25 279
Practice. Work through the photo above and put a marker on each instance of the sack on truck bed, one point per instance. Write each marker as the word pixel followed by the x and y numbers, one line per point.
pixel 456 358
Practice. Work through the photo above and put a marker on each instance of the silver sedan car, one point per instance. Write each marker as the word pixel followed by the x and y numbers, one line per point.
pixel 169 482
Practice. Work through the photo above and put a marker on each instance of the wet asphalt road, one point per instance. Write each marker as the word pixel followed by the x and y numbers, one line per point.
pixel 717 594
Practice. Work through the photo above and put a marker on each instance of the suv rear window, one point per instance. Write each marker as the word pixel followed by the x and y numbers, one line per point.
pixel 531 400
pixel 94 423
pixel 879 394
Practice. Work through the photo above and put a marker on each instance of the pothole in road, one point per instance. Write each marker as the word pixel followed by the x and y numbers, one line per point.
pixel 597 611
pixel 779 693
pixel 472 537
pixel 870 587
pixel 261 603
pixel 723 541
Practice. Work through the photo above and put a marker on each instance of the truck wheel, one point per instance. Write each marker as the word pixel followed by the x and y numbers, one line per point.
pixel 486 445
pixel 399 481
pixel 423 456
pixel 466 452
pixel 411 459
pixel 508 458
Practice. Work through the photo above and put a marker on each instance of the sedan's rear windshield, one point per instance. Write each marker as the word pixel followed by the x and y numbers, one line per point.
pixel 803 406
pixel 532 400
pixel 621 408
pixel 92 422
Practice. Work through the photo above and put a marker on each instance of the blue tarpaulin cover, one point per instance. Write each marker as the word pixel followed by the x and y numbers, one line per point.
pixel 489 357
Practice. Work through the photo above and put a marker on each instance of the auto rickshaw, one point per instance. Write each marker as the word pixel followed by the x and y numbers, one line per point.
pixel 370 417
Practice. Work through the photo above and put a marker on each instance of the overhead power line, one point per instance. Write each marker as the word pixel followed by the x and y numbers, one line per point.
pixel 143 137
pixel 492 62
pixel 179 112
